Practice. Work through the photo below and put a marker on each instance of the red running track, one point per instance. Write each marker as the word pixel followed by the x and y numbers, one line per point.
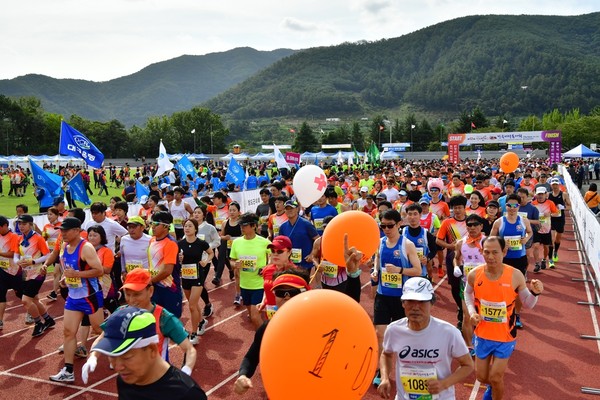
pixel 550 362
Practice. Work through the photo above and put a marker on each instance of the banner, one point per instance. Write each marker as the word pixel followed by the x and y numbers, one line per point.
pixel 50 182
pixel 184 167
pixel 279 158
pixel 141 190
pixel 74 143
pixel 292 158
pixel 554 139
pixel 248 199
pixel 235 173
pixel 164 165
pixel 77 189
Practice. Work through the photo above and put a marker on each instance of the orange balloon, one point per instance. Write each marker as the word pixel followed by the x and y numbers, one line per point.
pixel 509 162
pixel 321 344
pixel 362 230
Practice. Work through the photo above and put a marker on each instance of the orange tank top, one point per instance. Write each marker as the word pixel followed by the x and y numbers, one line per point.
pixel 495 303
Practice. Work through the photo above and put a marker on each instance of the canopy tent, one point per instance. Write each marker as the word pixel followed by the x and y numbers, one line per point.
pixel 263 156
pixel 198 157
pixel 580 151
pixel 390 155
pixel 238 157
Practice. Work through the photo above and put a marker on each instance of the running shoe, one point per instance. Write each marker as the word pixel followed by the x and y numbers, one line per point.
pixel 29 319
pixel 555 258
pixel 208 310
pixel 81 352
pixel 52 296
pixel 487 395
pixel 202 327
pixel 49 322
pixel 194 339
pixel 518 322
pixel 543 264
pixel 61 348
pixel 377 379
pixel 237 300
pixel 550 263
pixel 216 281
pixel 537 268
pixel 63 376
pixel 38 329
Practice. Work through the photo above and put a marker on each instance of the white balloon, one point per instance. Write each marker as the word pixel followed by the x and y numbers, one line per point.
pixel 310 183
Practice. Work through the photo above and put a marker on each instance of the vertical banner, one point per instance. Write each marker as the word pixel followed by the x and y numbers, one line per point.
pixel 554 146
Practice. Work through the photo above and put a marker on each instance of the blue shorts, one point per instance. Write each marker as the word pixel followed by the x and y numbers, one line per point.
pixel 485 348
pixel 168 299
pixel 87 305
pixel 252 297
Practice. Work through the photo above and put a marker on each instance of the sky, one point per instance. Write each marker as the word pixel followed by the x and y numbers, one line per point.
pixel 100 40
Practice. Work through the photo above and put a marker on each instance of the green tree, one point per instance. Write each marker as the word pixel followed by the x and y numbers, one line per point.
pixel 305 139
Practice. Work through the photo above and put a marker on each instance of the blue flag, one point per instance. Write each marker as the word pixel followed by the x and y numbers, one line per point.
pixel 185 168
pixel 74 143
pixel 48 181
pixel 235 173
pixel 141 190
pixel 77 188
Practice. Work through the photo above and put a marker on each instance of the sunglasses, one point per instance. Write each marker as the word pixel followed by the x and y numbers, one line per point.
pixel 279 251
pixel 387 226
pixel 155 223
pixel 472 224
pixel 434 190
pixel 246 223
pixel 283 293
pixel 512 205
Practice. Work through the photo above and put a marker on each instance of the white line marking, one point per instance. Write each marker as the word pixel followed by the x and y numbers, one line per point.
pixel 221 384
pixel 70 386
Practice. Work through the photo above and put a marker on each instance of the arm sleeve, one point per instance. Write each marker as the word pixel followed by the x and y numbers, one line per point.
pixel 431 243
pixel 250 361
pixel 528 299
pixel 470 299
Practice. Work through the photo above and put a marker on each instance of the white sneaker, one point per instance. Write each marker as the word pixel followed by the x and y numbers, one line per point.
pixel 63 376
pixel 29 319
pixel 237 300
pixel 202 327
pixel 194 339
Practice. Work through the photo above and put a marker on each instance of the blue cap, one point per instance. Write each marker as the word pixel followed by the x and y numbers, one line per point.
pixel 127 328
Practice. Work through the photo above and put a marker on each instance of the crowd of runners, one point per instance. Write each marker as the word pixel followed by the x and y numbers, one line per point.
pixel 489 232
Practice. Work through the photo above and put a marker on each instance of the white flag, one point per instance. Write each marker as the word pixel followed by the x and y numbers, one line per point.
pixel 350 159
pixel 163 162
pixel 279 158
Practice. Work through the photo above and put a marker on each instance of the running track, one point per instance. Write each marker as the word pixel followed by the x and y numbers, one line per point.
pixel 551 361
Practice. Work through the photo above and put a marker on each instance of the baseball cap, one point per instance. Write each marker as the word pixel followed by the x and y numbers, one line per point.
pixel 444 178
pixel 414 183
pixel 332 178
pixel 493 203
pixel 25 218
pixel 164 185
pixel 496 190
pixel 280 243
pixel 58 200
pixel 364 189
pixel 403 193
pixel 127 328
pixel 540 190
pixel 143 199
pixel 381 196
pixel 291 203
pixel 70 223
pixel 510 182
pixel 555 181
pixel 137 279
pixel 290 280
pixel 419 289
pixel 136 220
pixel 424 200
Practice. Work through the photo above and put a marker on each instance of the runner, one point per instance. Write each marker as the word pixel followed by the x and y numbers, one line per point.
pixel 112 228
pixel 425 347
pixel 276 219
pixel 490 297
pixel 82 268
pixel 208 233
pixel 322 209
pixel 543 237
pixel 10 271
pixel 131 340
pixel 195 256
pixel 281 251
pixel 424 241
pixel 395 262
pixel 51 233
pixel 133 249
pixel 33 251
pixel 302 234
pixel 231 231
pixel 562 201
pixel 249 256
pixel 180 210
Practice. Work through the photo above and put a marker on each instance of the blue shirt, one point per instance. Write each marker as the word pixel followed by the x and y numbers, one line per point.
pixel 396 256
pixel 251 182
pixel 318 213
pixel 510 233
pixel 302 235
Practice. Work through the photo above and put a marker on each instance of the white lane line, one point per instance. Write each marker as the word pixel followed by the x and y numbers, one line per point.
pixel 70 386
pixel 222 383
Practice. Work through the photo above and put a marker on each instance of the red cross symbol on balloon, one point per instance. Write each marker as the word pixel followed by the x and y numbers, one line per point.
pixel 309 184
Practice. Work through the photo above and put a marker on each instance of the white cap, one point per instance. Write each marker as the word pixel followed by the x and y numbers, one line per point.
pixel 555 180
pixel 364 189
pixel 417 288
pixel 540 189
pixel 164 185
pixel 414 183
pixel 143 199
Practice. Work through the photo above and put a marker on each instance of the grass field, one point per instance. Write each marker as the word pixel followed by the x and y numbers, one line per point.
pixel 8 203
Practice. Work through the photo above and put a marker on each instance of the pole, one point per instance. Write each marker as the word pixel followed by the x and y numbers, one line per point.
pixel 211 141
pixel 411 140
pixel 194 132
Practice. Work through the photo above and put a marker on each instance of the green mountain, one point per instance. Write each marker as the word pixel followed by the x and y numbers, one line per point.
pixel 504 64
pixel 159 89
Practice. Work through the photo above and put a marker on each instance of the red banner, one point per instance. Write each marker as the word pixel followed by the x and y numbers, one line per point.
pixel 292 158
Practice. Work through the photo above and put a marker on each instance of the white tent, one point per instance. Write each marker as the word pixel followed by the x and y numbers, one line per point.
pixel 580 152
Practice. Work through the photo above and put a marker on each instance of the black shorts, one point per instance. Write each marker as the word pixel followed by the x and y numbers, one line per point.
pixel 558 224
pixel 543 238
pixel 188 284
pixel 8 281
pixel 387 309
pixel 32 287
pixel 518 263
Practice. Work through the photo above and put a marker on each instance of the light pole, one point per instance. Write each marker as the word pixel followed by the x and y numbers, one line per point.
pixel 194 133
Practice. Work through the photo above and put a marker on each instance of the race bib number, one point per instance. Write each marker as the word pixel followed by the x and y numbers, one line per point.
pixel 420 252
pixel 330 270
pixel 263 220
pixel 201 236
pixel 130 265
pixel 270 310
pixel 414 382
pixel 4 263
pixel 51 243
pixel 514 243
pixel 248 263
pixel 73 283
pixel 296 256
pixel 391 280
pixel 467 268
pixel 522 215
pixel 275 230
pixel 318 224
pixel 189 271
pixel 177 221
pixel 493 311
pixel 154 272
pixel 219 223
